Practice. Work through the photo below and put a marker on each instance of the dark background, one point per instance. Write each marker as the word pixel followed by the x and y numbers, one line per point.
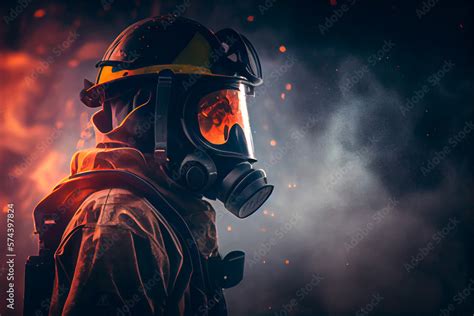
pixel 385 161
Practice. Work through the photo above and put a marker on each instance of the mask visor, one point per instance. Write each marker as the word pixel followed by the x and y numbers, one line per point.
pixel 224 122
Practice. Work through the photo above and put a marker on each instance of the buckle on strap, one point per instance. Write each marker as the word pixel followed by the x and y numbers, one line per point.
pixel 227 272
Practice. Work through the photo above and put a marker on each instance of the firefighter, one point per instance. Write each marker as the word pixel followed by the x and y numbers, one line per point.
pixel 129 229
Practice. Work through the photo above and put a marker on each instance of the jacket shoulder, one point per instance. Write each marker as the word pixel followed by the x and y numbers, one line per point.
pixel 123 209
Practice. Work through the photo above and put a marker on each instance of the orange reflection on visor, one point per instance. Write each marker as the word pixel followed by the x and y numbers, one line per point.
pixel 219 111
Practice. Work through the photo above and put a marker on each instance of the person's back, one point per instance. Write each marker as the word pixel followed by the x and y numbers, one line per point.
pixel 119 256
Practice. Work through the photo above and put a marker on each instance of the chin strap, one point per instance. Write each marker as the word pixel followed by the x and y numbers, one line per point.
pixel 162 101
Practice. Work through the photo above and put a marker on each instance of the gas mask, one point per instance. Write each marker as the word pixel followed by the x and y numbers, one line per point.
pixel 215 120
pixel 217 159
pixel 201 132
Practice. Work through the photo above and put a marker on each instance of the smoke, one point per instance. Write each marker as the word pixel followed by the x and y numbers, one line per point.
pixel 335 212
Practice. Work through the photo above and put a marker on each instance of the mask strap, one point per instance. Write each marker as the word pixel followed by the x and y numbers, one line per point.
pixel 162 101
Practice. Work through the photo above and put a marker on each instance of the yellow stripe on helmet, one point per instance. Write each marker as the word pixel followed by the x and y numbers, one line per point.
pixel 106 74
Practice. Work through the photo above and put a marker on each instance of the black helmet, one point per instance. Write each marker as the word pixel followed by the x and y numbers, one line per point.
pixel 176 43
pixel 198 82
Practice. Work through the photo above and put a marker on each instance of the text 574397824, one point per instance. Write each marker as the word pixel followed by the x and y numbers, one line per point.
pixel 10 256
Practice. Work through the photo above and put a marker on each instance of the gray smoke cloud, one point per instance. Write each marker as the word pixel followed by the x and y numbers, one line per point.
pixel 335 216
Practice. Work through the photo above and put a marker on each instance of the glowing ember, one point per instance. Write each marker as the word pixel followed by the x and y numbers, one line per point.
pixel 39 13
pixel 273 143
pixel 73 63
pixel 250 18
pixel 287 262
pixel 283 95
pixel 5 209
pixel 16 60
pixel 288 86
pixel 229 228
pixel 282 49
